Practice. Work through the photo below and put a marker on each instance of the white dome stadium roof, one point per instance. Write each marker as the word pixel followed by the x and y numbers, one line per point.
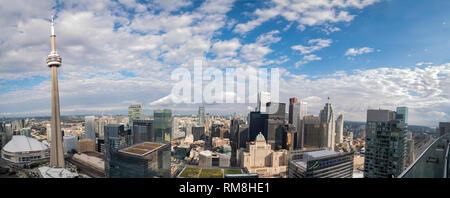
pixel 20 143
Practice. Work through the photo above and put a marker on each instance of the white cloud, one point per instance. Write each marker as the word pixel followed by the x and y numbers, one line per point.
pixel 268 38
pixel 226 48
pixel 425 91
pixel 307 59
pixel 314 45
pixel 424 63
pixel 305 13
pixel 358 51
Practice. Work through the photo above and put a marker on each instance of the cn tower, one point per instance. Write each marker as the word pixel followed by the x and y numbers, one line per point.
pixel 54 61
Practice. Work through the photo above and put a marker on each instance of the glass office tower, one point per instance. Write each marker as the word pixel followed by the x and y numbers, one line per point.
pixel 162 125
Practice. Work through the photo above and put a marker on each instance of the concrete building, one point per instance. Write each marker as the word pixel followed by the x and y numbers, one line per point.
pixel 86 145
pixel 210 159
pixel 23 150
pixel 91 161
pixel 261 159
pixel 385 149
pixel 322 164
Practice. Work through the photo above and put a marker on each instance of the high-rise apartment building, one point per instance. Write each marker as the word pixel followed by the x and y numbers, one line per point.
pixel 385 149
pixel 134 113
pixel 89 127
pixel 201 115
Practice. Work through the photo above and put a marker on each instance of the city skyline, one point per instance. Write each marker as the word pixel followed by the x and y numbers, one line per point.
pixel 324 50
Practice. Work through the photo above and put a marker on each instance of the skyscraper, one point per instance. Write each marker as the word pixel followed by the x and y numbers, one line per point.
pixel 402 114
pixel 142 131
pixel 385 144
pixel 89 127
pixel 263 99
pixel 112 143
pixel 292 102
pixel 201 115
pixel 162 125
pixel 314 134
pixel 270 124
pixel 54 61
pixel 300 110
pixel 134 113
pixel 327 118
pixel 340 129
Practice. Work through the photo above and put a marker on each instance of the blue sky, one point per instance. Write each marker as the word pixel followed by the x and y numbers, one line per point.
pixel 361 53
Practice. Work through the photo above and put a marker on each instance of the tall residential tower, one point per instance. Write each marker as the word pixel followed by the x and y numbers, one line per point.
pixel 54 61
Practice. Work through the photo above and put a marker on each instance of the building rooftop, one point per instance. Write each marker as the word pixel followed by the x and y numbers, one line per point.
pixel 320 153
pixel 20 143
pixel 47 172
pixel 142 148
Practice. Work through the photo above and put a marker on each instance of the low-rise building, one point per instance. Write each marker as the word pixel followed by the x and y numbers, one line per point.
pixel 261 159
pixel 322 164
pixel 144 160
pixel 86 145
pixel 22 149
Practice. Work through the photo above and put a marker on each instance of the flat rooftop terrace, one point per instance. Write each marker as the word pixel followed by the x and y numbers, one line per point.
pixel 142 148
